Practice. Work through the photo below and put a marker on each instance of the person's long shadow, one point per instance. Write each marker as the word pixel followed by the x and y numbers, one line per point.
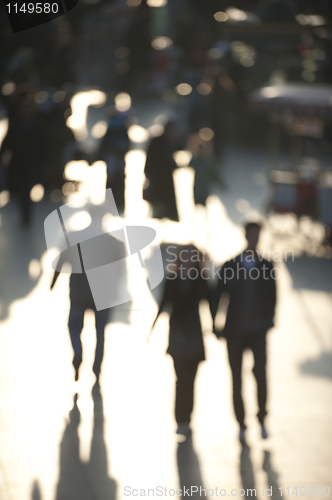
pixel 248 477
pixel 189 469
pixel 35 491
pixel 246 470
pixel 79 480
pixel 272 475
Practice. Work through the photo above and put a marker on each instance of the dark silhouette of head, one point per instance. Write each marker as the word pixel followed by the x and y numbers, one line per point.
pixel 171 131
pixel 252 230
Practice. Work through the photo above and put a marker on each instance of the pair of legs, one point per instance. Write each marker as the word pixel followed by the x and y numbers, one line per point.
pixel 236 346
pixel 185 370
pixel 75 324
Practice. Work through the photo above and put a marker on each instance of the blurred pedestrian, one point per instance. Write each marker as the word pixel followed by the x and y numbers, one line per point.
pixel 185 287
pixel 138 40
pixel 205 167
pixel 159 168
pixel 23 154
pixel 249 280
pixel 112 150
pixel 62 147
pixel 98 251
pixel 221 110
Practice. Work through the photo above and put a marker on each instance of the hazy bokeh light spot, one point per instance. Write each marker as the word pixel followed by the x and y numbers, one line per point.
pixel 92 182
pixel 56 196
pixel 122 101
pixel 302 19
pixel 59 96
pixel 76 170
pixel 184 89
pixel 136 133
pixel 235 14
pixel 237 44
pixel 162 119
pixel 206 134
pixel 221 17
pixel 245 54
pixel 299 235
pixel 79 221
pixel 242 206
pixel 215 53
pixel 99 129
pixel 182 158
pixel 156 130
pixel 68 188
pixel 37 193
pixel 8 88
pixel 76 200
pixel 41 97
pixel 270 92
pixel 34 269
pixel 135 157
pixel 106 222
pixel 79 105
pixel 157 3
pixel 247 61
pixel 4 198
pixel 203 88
pixel 314 20
pixel 161 42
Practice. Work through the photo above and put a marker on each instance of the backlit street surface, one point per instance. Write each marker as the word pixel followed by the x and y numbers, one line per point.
pixel 56 447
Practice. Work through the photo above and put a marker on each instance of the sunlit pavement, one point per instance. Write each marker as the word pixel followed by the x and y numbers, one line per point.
pixel 54 446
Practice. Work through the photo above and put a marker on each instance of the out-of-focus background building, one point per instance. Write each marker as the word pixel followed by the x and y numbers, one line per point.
pixel 249 86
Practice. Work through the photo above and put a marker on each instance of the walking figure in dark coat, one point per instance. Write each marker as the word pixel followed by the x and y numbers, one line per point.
pixel 249 280
pixel 184 289
pixel 159 168
pixel 112 150
pixel 24 155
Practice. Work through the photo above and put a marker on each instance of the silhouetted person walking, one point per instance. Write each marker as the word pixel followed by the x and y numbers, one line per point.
pixel 205 166
pixel 24 154
pixel 98 251
pixel 184 289
pixel 80 300
pixel 159 168
pixel 249 280
pixel 112 150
